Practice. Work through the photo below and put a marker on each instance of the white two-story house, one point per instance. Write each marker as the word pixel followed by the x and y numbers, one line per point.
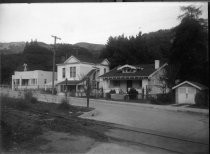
pixel 74 70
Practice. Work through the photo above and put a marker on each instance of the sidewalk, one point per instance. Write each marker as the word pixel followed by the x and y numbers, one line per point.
pixel 161 107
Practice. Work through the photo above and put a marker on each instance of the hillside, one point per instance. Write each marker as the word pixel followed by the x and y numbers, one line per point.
pixel 38 55
pixel 94 48
pixel 18 47
pixel 12 47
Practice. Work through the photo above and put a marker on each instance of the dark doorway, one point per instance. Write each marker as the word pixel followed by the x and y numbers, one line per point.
pixel 71 88
pixel 129 84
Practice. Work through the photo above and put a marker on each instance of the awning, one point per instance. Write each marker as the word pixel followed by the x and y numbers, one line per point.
pixel 70 82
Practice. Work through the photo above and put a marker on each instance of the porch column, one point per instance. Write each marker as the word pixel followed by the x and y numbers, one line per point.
pixel 13 83
pixel 20 83
pixel 144 85
pixel 76 93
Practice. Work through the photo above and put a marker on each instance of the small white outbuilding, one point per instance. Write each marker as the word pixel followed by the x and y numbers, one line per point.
pixel 186 91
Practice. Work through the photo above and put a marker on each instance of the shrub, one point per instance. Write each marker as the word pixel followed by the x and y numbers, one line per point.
pixel 108 95
pixel 64 105
pixel 28 96
pixel 112 91
pixel 163 99
pixel 133 93
pixel 121 91
pixel 200 99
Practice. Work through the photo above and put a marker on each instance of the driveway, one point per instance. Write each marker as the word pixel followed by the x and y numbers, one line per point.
pixel 177 124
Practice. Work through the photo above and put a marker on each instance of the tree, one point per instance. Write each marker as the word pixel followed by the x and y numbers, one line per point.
pixel 190 12
pixel 87 85
pixel 189 48
pixel 87 88
pixel 133 50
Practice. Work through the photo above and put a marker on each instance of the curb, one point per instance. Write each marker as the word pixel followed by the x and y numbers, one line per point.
pixel 92 113
pixel 169 108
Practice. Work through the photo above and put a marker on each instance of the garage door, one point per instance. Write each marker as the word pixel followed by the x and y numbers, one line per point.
pixel 186 95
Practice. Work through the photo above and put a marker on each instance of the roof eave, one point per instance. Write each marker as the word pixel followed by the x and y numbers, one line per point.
pixel 157 70
pixel 190 83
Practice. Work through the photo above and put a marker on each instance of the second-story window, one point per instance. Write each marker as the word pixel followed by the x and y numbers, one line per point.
pixel 72 72
pixel 104 70
pixel 63 72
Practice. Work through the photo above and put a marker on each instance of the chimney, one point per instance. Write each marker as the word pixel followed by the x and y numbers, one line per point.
pixel 157 64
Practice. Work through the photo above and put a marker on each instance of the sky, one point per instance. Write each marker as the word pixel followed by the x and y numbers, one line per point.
pixel 87 22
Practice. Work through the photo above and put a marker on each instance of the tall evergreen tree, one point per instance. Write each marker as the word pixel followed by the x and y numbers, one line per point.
pixel 189 48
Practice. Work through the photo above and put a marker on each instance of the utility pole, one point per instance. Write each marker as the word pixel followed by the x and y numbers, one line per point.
pixel 0 68
pixel 55 38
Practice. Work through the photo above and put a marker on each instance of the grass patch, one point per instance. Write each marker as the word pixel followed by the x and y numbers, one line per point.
pixel 16 129
pixel 29 102
pixel 19 103
pixel 19 125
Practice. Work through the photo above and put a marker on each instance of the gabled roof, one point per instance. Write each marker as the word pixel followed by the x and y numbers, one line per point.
pixel 147 70
pixel 86 59
pixel 66 61
pixel 194 84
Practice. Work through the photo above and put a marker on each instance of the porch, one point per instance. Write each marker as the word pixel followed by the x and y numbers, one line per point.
pixel 23 83
pixel 124 86
pixel 77 88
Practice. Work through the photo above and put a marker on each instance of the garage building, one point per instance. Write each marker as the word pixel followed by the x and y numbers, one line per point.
pixel 186 91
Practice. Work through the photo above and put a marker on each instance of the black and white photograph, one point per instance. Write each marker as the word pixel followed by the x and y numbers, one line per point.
pixel 104 78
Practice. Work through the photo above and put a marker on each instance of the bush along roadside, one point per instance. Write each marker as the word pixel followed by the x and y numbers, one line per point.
pixel 201 99
pixel 108 95
pixel 163 99
pixel 133 93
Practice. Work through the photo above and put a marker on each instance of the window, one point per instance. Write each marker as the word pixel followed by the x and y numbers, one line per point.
pixel 116 83
pixel 128 70
pixel 72 72
pixel 63 72
pixel 45 81
pixel 104 70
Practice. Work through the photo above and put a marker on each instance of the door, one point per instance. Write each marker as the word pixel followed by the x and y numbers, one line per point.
pixel 129 84
pixel 191 95
pixel 182 94
pixel 186 95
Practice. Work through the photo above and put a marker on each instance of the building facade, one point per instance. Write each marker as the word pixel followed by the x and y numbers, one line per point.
pixel 141 77
pixel 73 72
pixel 186 91
pixel 36 79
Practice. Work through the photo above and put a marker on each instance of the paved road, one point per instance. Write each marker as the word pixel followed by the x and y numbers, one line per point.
pixel 178 124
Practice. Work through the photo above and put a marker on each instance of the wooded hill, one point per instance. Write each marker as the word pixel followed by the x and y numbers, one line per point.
pixel 38 55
